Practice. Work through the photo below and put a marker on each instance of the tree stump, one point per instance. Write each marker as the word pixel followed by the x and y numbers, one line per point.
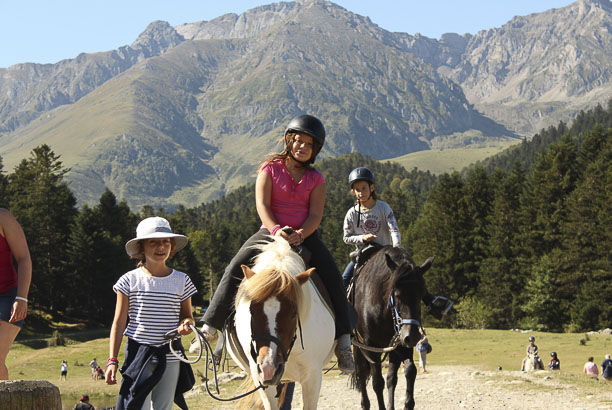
pixel 29 395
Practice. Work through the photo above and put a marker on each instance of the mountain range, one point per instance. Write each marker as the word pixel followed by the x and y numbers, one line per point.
pixel 184 114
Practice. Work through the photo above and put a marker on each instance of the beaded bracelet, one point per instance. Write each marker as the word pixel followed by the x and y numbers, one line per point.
pixel 300 235
pixel 275 229
pixel 112 360
pixel 21 298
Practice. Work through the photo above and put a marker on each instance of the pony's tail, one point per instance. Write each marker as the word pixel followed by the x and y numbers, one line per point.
pixel 353 381
pixel 252 401
pixel 282 394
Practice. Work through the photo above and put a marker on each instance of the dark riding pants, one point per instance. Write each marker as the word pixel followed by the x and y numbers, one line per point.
pixel 222 303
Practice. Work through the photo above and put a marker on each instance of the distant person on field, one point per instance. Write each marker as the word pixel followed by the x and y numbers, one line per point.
pixel 64 370
pixel 100 373
pixel 532 349
pixel 554 364
pixel 94 369
pixel 84 404
pixel 157 300
pixel 590 368
pixel 606 368
pixel 14 283
pixel 422 347
pixel 372 222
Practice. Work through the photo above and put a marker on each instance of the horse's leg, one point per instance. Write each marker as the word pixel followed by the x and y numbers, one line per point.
pixel 268 399
pixel 410 371
pixel 394 365
pixel 378 383
pixel 360 377
pixel 311 388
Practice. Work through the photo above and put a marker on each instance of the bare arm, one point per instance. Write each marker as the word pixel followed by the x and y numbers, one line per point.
pixel 315 211
pixel 263 200
pixel 116 335
pixel 12 231
pixel 186 317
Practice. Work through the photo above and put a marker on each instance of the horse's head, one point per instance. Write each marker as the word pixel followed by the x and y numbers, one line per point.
pixel 404 291
pixel 267 315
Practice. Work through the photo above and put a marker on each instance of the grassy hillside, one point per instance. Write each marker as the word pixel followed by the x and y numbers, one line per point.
pixel 481 349
pixel 439 161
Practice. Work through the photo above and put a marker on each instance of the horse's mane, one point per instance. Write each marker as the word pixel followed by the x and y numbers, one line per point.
pixel 399 276
pixel 275 269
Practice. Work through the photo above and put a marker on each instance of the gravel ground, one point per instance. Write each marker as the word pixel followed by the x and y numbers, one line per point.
pixel 461 387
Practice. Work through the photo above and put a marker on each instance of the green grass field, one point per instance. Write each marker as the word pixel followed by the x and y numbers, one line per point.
pixel 481 349
pixel 439 161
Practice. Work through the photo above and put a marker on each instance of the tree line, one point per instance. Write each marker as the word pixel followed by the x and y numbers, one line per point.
pixel 520 240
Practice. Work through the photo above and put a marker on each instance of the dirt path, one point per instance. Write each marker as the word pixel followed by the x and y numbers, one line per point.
pixel 461 387
pixel 458 387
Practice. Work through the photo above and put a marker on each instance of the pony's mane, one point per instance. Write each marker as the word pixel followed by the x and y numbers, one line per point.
pixel 400 257
pixel 275 269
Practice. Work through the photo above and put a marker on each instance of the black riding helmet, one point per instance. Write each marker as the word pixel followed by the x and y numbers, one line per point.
pixel 308 125
pixel 360 174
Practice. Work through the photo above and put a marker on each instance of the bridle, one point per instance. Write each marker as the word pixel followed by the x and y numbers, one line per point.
pixel 398 322
pixel 270 338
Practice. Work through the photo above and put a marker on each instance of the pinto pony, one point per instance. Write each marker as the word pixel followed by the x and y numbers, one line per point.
pixel 388 294
pixel 282 325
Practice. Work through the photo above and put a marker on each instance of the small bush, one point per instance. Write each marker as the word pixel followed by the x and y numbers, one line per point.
pixel 57 339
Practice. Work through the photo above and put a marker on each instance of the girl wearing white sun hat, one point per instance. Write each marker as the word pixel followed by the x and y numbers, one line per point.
pixel 157 299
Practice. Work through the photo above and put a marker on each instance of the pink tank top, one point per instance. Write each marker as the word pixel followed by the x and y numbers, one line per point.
pixel 290 202
pixel 8 275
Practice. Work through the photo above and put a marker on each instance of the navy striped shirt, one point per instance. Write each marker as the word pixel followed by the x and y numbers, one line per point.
pixel 154 304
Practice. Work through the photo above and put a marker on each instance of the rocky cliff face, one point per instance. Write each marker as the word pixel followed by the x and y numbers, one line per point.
pixel 533 71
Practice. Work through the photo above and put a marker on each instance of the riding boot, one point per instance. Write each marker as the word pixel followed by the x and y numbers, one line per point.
pixel 344 354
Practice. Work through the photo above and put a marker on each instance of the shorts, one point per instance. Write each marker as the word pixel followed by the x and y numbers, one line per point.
pixel 6 305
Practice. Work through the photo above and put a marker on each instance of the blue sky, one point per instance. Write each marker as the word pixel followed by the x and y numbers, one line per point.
pixel 51 30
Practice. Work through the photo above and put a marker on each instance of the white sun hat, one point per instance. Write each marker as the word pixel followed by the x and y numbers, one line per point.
pixel 154 227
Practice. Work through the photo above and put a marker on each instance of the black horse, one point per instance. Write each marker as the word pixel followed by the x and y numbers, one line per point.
pixel 387 299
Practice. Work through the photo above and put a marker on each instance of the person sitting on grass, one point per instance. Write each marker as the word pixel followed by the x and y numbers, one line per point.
pixel 84 404
pixel 554 362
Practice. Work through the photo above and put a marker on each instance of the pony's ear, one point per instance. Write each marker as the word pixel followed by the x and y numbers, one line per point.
pixel 390 263
pixel 304 276
pixel 426 265
pixel 248 273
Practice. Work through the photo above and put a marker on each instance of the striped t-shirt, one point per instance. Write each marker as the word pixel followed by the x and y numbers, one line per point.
pixel 154 304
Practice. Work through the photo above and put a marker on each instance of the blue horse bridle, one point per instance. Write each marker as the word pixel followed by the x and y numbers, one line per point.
pixel 398 321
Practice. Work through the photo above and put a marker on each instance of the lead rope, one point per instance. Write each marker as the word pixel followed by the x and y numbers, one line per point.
pixel 173 334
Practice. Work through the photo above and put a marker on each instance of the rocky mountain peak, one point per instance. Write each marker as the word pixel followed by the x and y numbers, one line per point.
pixel 157 37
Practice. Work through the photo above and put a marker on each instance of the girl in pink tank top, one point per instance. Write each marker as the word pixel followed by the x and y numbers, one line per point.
pixel 289 193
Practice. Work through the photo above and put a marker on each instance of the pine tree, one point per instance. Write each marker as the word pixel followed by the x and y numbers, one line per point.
pixel 501 275
pixel 44 205
pixel 440 232
pixel 587 235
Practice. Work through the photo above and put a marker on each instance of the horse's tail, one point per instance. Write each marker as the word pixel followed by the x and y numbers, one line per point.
pixel 252 401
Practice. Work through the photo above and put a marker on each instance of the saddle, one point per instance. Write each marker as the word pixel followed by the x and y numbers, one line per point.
pixel 360 257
